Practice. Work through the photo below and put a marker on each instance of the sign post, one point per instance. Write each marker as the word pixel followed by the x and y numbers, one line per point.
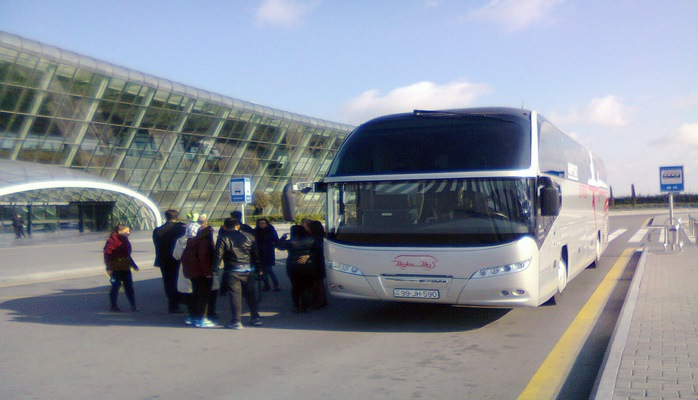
pixel 671 180
pixel 241 192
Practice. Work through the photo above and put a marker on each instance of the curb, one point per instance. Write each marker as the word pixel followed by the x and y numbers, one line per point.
pixel 606 383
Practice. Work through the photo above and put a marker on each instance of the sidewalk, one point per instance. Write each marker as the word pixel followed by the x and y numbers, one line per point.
pixel 654 349
pixel 67 253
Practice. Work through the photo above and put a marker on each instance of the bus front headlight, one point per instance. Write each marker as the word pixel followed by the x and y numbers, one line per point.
pixel 501 270
pixel 345 268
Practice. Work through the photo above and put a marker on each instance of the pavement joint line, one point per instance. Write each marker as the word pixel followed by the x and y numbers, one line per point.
pixel 548 380
pixel 55 276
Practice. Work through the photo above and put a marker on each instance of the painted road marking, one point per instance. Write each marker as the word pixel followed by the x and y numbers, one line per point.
pixel 548 380
pixel 637 237
pixel 615 234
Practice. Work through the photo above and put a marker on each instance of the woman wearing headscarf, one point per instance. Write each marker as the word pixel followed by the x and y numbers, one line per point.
pixel 319 295
pixel 299 266
pixel 117 258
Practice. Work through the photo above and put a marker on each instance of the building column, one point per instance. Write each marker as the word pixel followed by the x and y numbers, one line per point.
pixel 33 110
pixel 97 95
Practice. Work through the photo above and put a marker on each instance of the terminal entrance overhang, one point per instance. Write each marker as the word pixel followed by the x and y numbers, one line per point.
pixel 26 184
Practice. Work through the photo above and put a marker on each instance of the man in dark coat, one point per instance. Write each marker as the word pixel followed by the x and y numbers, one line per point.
pixel 164 238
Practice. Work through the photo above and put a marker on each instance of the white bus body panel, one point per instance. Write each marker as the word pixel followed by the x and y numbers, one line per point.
pixel 582 223
pixel 446 270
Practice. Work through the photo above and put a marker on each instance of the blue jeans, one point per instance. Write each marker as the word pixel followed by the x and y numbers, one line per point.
pixel 117 279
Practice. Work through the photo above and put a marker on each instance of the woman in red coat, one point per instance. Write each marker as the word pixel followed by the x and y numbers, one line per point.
pixel 197 260
pixel 117 258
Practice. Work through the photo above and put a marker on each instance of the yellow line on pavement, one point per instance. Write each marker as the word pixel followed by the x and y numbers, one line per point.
pixel 548 380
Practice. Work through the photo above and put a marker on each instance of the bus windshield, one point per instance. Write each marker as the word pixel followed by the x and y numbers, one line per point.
pixel 446 212
pixel 412 143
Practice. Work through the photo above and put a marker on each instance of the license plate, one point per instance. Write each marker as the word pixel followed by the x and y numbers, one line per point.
pixel 416 293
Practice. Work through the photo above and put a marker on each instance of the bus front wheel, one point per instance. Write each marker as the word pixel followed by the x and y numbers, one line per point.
pixel 561 283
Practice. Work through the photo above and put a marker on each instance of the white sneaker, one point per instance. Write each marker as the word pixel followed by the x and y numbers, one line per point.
pixel 189 321
pixel 236 325
pixel 205 323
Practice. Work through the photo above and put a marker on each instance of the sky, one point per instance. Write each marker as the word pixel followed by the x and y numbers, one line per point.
pixel 621 76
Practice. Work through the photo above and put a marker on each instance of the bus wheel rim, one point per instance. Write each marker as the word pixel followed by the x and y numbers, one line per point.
pixel 561 276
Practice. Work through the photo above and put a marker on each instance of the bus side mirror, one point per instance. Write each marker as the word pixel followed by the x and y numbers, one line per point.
pixel 288 203
pixel 549 198
pixel 290 193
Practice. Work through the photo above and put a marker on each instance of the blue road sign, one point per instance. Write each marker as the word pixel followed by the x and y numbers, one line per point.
pixel 671 179
pixel 240 190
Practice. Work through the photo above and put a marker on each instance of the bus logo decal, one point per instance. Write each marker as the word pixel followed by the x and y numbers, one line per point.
pixel 415 261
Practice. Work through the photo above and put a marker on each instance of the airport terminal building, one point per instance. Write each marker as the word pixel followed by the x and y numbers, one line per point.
pixel 87 142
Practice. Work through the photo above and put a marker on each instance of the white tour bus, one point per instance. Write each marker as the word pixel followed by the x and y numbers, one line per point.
pixel 481 207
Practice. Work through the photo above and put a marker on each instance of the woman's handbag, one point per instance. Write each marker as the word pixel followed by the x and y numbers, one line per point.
pixel 120 264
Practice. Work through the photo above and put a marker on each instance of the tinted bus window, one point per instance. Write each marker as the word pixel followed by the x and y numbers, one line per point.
pixel 426 144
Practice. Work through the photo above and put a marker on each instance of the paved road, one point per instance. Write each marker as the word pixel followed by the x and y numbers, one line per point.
pixel 59 341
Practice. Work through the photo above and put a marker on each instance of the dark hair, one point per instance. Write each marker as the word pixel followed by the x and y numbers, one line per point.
pixel 263 220
pixel 236 215
pixel 316 229
pixel 297 231
pixel 230 223
pixel 119 227
pixel 171 215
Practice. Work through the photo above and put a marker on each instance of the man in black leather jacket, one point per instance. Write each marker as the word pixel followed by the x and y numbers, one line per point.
pixel 237 250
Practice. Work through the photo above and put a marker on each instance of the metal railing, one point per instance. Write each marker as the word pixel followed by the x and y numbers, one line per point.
pixel 672 234
pixel 692 222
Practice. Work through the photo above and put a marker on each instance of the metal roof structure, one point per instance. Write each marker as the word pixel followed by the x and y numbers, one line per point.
pixel 143 140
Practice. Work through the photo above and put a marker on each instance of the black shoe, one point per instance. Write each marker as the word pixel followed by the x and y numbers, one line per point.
pixel 115 309
pixel 277 289
pixel 266 289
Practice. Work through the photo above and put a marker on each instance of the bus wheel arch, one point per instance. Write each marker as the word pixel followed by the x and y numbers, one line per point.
pixel 597 251
pixel 562 277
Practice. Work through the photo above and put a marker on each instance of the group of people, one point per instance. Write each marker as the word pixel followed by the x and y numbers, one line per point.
pixel 228 266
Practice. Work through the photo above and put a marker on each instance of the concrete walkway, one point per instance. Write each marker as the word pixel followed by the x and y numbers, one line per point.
pixel 654 350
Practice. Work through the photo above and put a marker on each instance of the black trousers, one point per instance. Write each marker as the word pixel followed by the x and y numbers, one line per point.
pixel 170 275
pixel 302 278
pixel 201 293
pixel 239 285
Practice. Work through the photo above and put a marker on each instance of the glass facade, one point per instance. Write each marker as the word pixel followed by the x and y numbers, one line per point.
pixel 177 145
